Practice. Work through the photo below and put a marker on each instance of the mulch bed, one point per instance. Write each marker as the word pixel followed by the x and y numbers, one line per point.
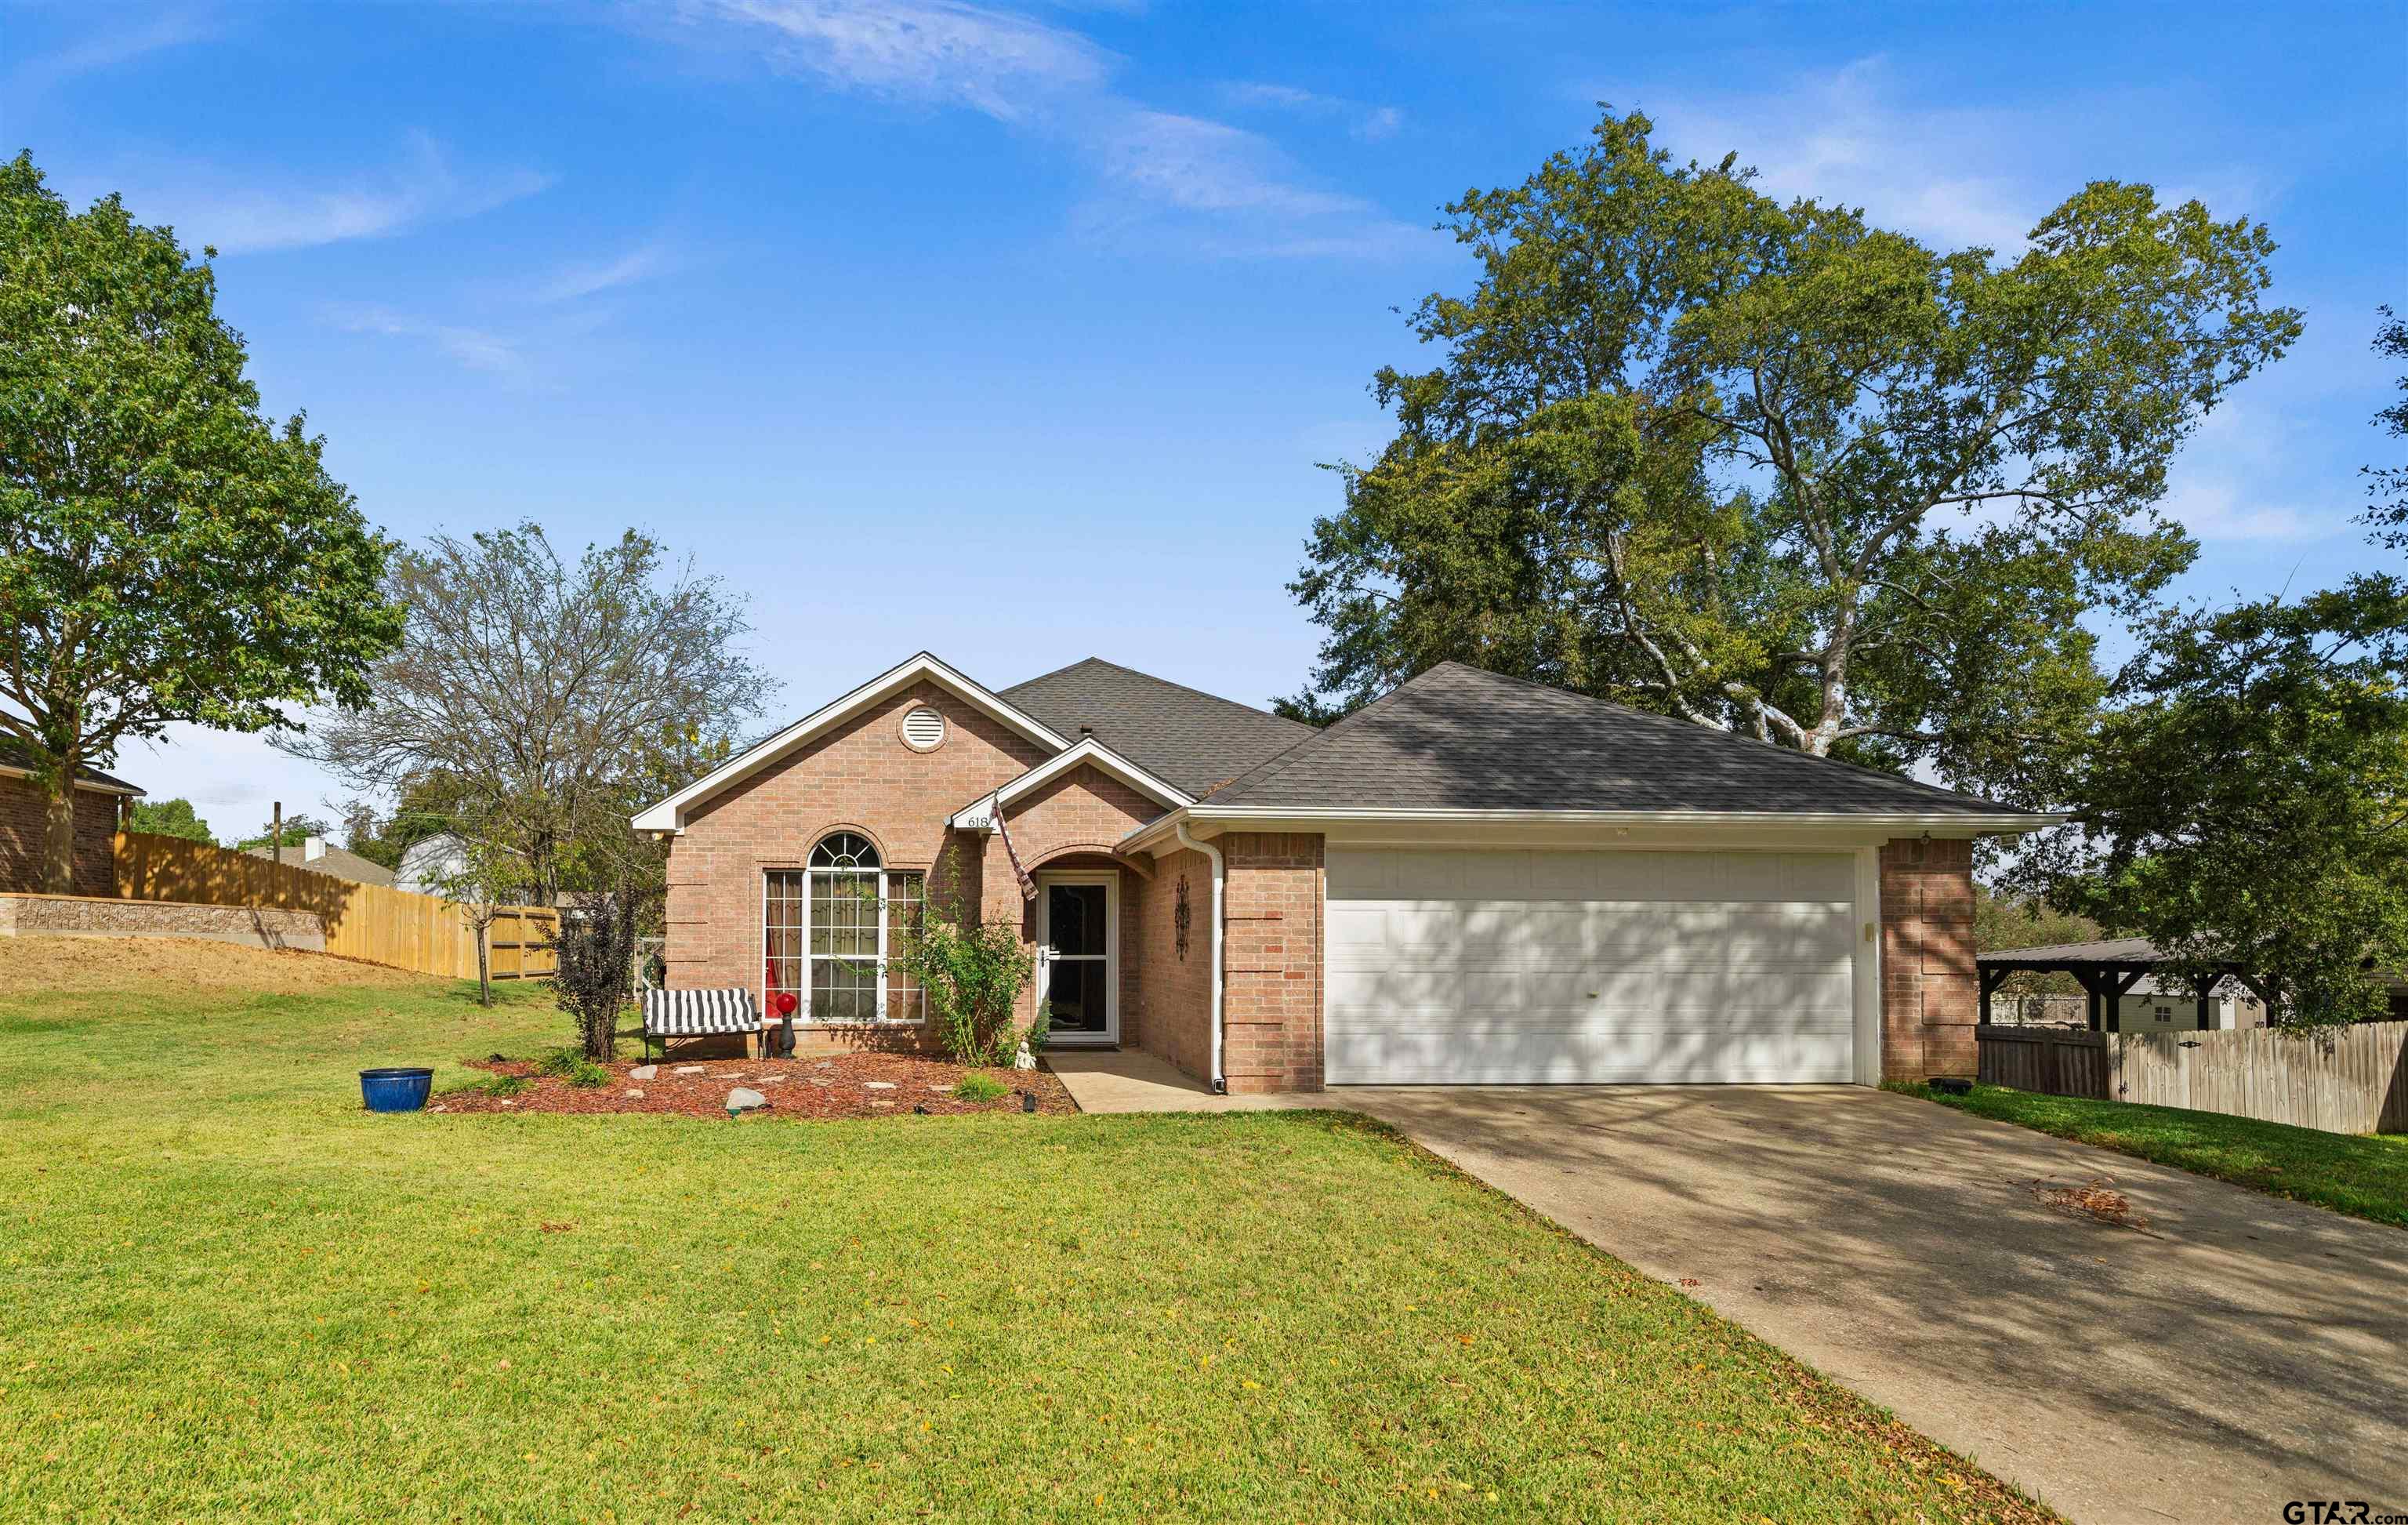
pixel 836 1085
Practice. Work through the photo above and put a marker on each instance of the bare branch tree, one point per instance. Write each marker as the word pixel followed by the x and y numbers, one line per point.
pixel 552 698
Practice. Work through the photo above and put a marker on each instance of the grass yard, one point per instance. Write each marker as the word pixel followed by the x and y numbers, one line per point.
pixel 234 1293
pixel 2365 1175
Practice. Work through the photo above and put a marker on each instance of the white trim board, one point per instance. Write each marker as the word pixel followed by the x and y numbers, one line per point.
pixel 670 814
pixel 1583 827
pixel 979 814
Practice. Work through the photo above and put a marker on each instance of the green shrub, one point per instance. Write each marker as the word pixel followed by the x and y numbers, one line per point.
pixel 571 1065
pixel 982 1088
pixel 502 1084
pixel 973 975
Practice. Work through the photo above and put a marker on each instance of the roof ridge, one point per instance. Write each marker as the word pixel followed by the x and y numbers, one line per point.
pixel 1633 711
pixel 1272 767
pixel 1166 683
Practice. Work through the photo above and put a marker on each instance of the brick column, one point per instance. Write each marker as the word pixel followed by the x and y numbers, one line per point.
pixel 1272 987
pixel 1930 994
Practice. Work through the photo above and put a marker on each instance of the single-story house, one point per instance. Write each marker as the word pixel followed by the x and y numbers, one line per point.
pixel 1473 879
pixel 319 855
pixel 427 863
pixel 100 801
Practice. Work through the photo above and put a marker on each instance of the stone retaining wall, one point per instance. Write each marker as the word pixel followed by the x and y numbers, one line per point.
pixel 79 915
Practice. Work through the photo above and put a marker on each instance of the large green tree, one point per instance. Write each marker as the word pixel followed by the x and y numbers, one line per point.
pixel 2245 803
pixel 167 552
pixel 2249 805
pixel 170 818
pixel 1773 468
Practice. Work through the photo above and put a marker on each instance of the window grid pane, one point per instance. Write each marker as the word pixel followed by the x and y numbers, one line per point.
pixel 906 894
pixel 782 968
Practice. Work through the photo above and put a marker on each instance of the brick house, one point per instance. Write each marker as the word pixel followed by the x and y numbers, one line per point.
pixel 1474 879
pixel 23 815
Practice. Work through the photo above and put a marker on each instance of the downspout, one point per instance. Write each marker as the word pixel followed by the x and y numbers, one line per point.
pixel 1219 872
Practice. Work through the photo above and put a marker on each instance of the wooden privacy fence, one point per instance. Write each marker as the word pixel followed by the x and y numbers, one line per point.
pixel 420 932
pixel 2350 1079
pixel 2054 1061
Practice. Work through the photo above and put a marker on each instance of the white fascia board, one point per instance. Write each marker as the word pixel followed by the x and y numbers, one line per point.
pixel 980 816
pixel 1587 823
pixel 670 814
pixel 7 770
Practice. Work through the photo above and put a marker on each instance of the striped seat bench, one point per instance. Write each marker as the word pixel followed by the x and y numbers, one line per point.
pixel 697 1014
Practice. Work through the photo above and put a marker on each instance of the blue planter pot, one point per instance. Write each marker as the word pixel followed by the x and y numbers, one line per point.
pixel 395 1090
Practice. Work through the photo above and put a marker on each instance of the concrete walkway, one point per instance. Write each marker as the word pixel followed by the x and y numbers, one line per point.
pixel 1126 1080
pixel 2241 1352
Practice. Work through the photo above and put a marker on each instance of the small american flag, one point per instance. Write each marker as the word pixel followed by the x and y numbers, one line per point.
pixel 1027 886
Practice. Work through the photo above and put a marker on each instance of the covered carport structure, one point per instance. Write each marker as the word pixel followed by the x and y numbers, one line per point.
pixel 2107 971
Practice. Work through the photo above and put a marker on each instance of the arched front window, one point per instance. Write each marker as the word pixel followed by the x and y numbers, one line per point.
pixel 832 928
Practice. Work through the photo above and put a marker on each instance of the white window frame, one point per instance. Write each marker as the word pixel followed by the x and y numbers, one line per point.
pixel 885 879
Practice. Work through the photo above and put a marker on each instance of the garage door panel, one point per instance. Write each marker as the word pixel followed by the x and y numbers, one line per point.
pixel 1525 967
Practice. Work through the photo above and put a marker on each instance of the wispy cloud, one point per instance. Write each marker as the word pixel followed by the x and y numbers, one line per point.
pixel 209 205
pixel 925 50
pixel 2215 511
pixel 118 43
pixel 1956 174
pixel 574 281
pixel 1213 187
pixel 475 349
pixel 1370 123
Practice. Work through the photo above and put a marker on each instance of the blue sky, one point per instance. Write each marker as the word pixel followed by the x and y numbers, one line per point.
pixel 1017 333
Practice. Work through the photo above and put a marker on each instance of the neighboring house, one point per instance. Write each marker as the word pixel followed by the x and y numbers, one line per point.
pixel 2166 1003
pixel 1469 881
pixel 319 855
pixel 1474 879
pixel 24 814
pixel 429 862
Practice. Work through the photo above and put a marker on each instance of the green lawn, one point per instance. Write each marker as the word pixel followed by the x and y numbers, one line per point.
pixel 233 1293
pixel 2365 1175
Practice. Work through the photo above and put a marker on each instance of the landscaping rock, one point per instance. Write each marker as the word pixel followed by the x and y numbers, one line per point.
pixel 635 1095
pixel 879 1085
pixel 769 1080
pixel 687 1070
pixel 643 1071
pixel 741 1100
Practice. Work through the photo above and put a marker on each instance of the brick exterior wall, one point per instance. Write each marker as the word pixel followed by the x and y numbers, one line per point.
pixel 1930 995
pixel 861 777
pixel 1174 996
pixel 22 814
pixel 1272 987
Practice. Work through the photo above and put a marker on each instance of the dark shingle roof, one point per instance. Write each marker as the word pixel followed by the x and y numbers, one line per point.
pixel 1187 739
pixel 16 754
pixel 1456 738
pixel 2113 949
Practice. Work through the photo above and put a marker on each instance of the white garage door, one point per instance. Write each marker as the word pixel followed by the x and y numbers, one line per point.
pixel 1504 967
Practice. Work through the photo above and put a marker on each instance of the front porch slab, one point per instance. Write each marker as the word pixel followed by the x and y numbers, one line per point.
pixel 1126 1080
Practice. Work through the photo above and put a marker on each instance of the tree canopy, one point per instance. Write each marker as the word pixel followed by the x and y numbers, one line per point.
pixel 170 818
pixel 167 552
pixel 537 702
pixel 1770 467
pixel 2245 800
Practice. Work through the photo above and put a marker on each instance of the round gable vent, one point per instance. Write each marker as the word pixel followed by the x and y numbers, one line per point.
pixel 924 729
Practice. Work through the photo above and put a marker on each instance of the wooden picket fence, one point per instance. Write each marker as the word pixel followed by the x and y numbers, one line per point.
pixel 2351 1080
pixel 2054 1061
pixel 420 932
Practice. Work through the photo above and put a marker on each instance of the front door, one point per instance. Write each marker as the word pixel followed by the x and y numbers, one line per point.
pixel 1078 956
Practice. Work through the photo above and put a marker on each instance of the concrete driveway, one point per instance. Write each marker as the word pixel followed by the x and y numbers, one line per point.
pixel 2241 1352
